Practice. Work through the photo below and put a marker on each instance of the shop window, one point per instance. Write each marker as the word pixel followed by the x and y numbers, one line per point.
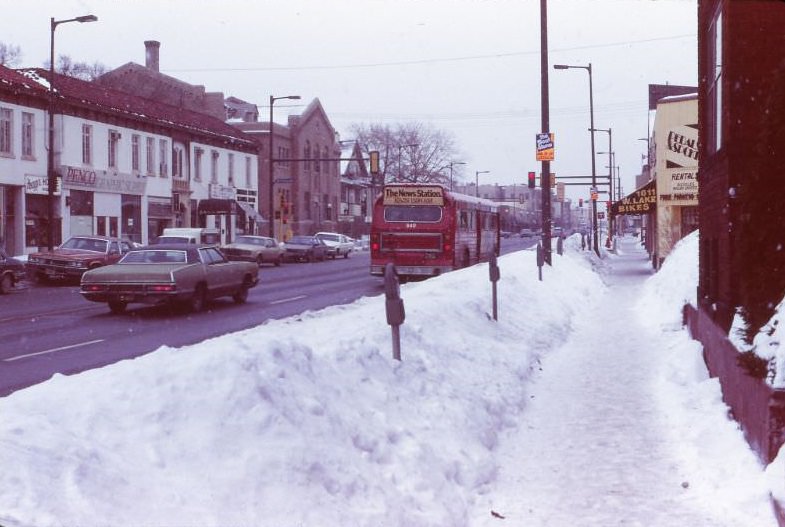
pixel 81 203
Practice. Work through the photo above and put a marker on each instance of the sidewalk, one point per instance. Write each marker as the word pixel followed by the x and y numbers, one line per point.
pixel 596 447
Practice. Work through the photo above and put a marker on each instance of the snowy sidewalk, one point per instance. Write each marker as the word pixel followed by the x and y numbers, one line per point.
pixel 594 447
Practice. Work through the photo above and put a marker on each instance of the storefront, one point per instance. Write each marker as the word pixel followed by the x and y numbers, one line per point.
pixel 37 213
pixel 10 219
pixel 159 216
pixel 103 203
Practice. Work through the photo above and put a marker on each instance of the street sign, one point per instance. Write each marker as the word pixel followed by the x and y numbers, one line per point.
pixel 545 148
pixel 594 194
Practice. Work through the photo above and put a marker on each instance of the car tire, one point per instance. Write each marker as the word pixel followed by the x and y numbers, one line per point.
pixel 311 257
pixel 40 278
pixel 117 307
pixel 259 260
pixel 241 295
pixel 279 261
pixel 198 299
pixel 346 254
pixel 6 283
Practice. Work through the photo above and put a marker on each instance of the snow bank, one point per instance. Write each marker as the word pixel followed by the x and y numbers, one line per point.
pixel 304 421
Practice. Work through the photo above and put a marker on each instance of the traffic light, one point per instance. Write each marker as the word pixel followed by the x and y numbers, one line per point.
pixel 532 179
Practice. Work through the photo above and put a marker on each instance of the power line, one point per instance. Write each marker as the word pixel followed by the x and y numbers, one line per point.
pixel 426 61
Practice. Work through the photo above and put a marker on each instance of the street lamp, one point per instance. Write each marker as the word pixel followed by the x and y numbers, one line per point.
pixel 50 160
pixel 272 182
pixel 451 165
pixel 611 155
pixel 477 181
pixel 593 168
pixel 401 147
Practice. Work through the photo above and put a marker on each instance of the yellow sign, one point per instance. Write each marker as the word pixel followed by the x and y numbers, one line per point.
pixel 545 147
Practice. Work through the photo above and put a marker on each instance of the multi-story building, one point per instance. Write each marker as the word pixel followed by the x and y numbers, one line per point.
pixel 357 191
pixel 126 166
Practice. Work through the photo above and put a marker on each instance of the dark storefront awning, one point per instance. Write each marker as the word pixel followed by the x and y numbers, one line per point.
pixel 217 206
pixel 642 201
pixel 250 212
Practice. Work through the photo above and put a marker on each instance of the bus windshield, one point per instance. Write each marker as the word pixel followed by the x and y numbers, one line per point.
pixel 410 213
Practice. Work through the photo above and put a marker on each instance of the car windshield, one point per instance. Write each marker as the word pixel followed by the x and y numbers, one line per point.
pixel 302 240
pixel 329 237
pixel 154 256
pixel 249 240
pixel 427 213
pixel 85 244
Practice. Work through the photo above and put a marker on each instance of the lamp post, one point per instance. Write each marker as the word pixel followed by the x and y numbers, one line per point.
pixel 593 167
pixel 477 181
pixel 611 155
pixel 451 165
pixel 50 160
pixel 271 188
pixel 400 169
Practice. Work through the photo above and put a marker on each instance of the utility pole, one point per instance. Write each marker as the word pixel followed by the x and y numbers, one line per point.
pixel 545 177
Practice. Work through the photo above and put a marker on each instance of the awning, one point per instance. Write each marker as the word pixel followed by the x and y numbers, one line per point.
pixel 251 212
pixel 642 201
pixel 217 206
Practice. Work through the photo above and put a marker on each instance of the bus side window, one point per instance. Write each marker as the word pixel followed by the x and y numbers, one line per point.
pixel 463 217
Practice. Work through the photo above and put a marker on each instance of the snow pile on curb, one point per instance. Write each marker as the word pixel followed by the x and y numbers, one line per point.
pixel 304 421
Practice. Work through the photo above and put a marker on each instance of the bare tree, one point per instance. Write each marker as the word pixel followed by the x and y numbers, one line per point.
pixel 10 55
pixel 409 152
pixel 65 65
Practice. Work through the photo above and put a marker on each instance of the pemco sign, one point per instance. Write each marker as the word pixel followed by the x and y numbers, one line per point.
pixel 100 181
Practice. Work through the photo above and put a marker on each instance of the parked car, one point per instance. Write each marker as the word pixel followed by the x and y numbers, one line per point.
pixel 337 244
pixel 259 249
pixel 305 249
pixel 195 235
pixel 12 271
pixel 170 274
pixel 75 256
pixel 527 233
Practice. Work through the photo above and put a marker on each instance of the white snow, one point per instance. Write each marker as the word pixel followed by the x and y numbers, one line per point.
pixel 585 404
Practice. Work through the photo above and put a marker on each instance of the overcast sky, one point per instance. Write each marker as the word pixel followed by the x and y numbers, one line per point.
pixel 468 67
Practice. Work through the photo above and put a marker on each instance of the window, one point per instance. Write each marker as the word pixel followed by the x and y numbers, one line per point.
pixel 178 160
pixel 27 135
pixel 214 167
pixel 87 144
pixel 163 161
pixel 135 153
pixel 714 113
pixel 198 153
pixel 307 155
pixel 113 140
pixel 318 164
pixel 150 156
pixel 248 183
pixel 6 126
pixel 326 156
pixel 231 170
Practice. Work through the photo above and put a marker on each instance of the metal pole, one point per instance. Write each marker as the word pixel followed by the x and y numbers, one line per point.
pixel 545 178
pixel 270 165
pixel 593 163
pixel 50 159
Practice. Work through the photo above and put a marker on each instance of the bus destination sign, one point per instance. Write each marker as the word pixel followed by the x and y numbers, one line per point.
pixel 414 195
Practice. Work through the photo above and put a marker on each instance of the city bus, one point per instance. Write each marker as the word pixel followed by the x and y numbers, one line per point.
pixel 427 230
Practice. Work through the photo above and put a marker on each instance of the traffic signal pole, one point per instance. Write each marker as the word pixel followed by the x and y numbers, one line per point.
pixel 545 178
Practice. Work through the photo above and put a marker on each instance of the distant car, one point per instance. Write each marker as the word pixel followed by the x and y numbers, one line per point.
pixel 505 234
pixel 170 274
pixel 12 271
pixel 77 255
pixel 259 249
pixel 527 233
pixel 305 249
pixel 196 235
pixel 337 244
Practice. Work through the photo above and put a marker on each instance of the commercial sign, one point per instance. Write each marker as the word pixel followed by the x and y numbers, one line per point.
pixel 413 195
pixel 545 148
pixel 642 201
pixel 101 181
pixel 39 185
pixel 222 192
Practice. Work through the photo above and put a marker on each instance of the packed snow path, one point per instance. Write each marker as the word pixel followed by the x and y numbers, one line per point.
pixel 594 448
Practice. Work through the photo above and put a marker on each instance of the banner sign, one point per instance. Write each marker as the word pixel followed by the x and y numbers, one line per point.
pixel 413 195
pixel 642 201
pixel 39 185
pixel 545 148
pixel 101 181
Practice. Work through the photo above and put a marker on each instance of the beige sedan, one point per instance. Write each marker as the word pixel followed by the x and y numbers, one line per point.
pixel 259 249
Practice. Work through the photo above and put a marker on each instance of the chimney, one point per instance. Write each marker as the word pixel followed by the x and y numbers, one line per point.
pixel 151 54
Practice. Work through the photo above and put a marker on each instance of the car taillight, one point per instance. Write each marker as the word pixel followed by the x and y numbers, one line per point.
pixel 161 288
pixel 93 288
pixel 375 242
